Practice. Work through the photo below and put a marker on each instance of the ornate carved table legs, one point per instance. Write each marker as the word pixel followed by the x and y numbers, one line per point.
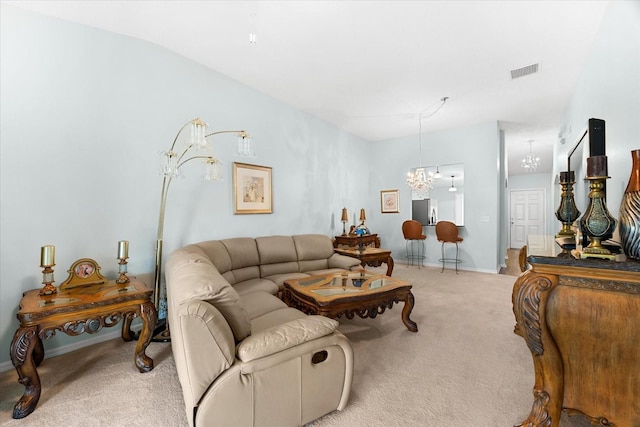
pixel 26 354
pixel 149 318
pixel 406 311
pixel 27 351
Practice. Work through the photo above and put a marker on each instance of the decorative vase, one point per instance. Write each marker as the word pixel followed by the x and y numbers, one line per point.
pixel 630 211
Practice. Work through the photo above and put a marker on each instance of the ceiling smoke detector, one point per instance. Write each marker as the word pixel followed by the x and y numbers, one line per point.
pixel 524 71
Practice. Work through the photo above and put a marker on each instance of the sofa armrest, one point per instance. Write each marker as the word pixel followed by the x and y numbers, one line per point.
pixel 284 336
pixel 343 261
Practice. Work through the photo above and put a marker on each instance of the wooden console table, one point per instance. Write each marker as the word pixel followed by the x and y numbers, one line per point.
pixel 75 311
pixel 581 322
pixel 352 240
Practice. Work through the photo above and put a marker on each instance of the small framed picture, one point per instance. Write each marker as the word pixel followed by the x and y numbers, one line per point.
pixel 252 189
pixel 389 201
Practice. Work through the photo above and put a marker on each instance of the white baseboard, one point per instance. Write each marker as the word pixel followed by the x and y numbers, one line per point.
pixel 6 366
pixel 449 266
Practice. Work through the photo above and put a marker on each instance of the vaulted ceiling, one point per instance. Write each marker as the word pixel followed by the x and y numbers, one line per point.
pixel 372 68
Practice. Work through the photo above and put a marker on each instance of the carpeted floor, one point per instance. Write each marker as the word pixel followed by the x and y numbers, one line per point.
pixel 465 367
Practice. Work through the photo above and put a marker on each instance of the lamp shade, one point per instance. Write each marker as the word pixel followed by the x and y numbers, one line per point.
pixel 363 216
pixel 345 215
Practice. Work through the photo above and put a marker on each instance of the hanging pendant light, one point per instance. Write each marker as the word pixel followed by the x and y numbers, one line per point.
pixel 452 188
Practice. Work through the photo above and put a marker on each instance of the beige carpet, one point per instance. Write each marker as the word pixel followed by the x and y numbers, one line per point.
pixel 464 367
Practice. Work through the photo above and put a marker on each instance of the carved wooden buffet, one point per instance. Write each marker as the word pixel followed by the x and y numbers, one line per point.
pixel 580 319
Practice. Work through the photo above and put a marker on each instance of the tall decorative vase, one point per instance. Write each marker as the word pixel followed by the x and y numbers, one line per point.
pixel 630 211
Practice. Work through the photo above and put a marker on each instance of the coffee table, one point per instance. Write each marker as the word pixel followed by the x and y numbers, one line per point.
pixel 372 257
pixel 348 294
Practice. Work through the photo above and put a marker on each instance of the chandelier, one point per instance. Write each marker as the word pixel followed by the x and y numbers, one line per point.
pixel 419 182
pixel 418 179
pixel 530 162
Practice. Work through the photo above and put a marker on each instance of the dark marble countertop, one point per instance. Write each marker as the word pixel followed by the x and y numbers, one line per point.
pixel 561 252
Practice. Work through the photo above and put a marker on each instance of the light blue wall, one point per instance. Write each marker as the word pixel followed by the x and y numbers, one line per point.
pixel 609 89
pixel 84 115
pixel 475 146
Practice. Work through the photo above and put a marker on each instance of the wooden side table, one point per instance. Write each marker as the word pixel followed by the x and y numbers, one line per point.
pixel 373 257
pixel 352 240
pixel 74 311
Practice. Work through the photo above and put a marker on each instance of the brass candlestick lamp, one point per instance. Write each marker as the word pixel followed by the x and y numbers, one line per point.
pixel 567 212
pixel 597 223
pixel 123 255
pixel 47 261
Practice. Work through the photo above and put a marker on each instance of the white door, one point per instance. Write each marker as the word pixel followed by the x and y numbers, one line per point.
pixel 527 215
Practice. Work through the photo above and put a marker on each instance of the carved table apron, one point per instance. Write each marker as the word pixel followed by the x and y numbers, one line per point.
pixel 82 309
pixel 582 326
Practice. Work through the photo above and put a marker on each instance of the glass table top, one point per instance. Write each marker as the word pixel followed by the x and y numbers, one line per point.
pixel 344 284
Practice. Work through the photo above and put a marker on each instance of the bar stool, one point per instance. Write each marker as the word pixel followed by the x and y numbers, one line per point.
pixel 412 231
pixel 447 232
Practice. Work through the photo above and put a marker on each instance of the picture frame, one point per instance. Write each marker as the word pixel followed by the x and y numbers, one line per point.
pixel 389 201
pixel 252 191
pixel 83 272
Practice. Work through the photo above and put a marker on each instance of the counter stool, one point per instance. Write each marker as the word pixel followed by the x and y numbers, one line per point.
pixel 447 232
pixel 412 231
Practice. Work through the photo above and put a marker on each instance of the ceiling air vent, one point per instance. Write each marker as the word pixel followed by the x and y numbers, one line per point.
pixel 524 71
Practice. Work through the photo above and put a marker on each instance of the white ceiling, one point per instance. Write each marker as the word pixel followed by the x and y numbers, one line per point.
pixel 371 67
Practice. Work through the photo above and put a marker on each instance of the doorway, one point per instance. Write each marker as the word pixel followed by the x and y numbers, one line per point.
pixel 526 209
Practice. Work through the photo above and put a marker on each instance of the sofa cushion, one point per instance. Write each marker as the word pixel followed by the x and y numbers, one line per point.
pixel 258 303
pixel 256 285
pixel 193 278
pixel 217 253
pixel 284 336
pixel 277 255
pixel 274 318
pixel 243 252
pixel 279 279
pixel 313 251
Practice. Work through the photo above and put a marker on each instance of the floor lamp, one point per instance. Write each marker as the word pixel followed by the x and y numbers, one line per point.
pixel 172 161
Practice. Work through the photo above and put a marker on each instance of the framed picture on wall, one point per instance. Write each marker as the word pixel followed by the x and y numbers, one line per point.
pixel 389 201
pixel 252 189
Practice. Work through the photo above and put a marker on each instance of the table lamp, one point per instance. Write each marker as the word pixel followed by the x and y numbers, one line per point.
pixel 345 219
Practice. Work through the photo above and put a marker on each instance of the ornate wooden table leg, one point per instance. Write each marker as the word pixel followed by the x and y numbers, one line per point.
pixel 38 351
pixel 149 318
pixel 127 333
pixel 530 295
pixel 26 353
pixel 406 311
pixel 389 265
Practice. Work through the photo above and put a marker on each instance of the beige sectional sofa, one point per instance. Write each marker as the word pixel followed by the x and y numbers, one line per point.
pixel 243 357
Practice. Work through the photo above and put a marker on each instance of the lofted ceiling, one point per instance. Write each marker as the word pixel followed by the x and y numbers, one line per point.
pixel 372 68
